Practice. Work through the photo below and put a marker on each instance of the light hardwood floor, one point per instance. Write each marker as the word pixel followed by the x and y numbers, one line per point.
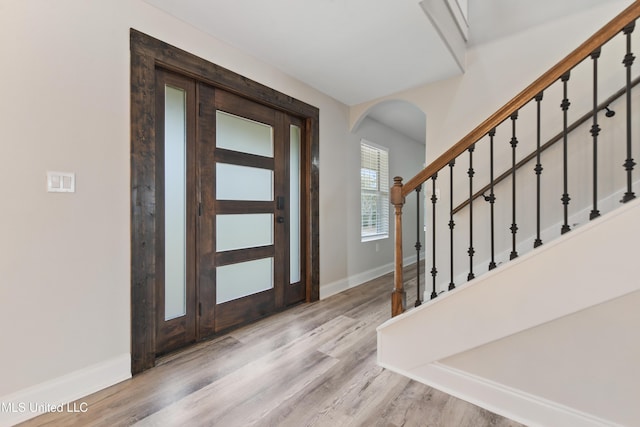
pixel 313 365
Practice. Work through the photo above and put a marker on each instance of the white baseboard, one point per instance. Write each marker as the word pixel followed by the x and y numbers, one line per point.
pixel 514 404
pixel 360 278
pixel 55 394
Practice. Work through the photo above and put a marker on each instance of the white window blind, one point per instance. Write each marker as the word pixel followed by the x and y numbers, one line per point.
pixel 374 191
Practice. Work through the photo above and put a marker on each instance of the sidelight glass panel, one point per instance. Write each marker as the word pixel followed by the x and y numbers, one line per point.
pixel 235 182
pixel 175 217
pixel 294 205
pixel 243 231
pixel 242 279
pixel 243 135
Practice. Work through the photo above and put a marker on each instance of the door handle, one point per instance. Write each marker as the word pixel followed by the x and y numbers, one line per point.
pixel 280 202
pixel 280 219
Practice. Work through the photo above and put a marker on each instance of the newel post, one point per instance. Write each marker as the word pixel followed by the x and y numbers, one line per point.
pixel 398 297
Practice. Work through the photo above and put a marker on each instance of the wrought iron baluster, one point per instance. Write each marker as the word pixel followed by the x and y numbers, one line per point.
pixel 514 226
pixel 595 131
pixel 452 224
pixel 629 163
pixel 471 250
pixel 538 169
pixel 492 199
pixel 418 246
pixel 565 175
pixel 434 200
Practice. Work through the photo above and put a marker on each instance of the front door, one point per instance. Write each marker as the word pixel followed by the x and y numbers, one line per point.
pixel 239 247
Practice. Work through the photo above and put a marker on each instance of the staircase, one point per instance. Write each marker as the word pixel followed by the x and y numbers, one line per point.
pixel 548 335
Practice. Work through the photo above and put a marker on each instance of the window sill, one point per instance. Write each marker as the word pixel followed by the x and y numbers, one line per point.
pixel 372 238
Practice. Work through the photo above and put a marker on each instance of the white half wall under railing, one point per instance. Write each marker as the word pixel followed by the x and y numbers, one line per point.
pixel 548 339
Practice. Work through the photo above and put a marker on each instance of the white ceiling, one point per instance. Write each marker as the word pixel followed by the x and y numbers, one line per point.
pixel 358 50
pixel 352 50
pixel 493 19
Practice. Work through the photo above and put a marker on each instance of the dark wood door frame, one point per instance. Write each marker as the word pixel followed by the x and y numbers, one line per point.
pixel 147 54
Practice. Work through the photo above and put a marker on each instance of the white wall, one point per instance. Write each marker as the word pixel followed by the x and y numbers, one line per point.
pixel 64 258
pixel 587 361
pixel 367 260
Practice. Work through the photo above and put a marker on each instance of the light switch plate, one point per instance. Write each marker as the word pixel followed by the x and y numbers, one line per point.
pixel 61 182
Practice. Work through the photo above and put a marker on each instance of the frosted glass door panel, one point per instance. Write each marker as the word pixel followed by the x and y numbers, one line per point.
pixel 243 135
pixel 235 182
pixel 175 206
pixel 243 231
pixel 242 279
pixel 294 205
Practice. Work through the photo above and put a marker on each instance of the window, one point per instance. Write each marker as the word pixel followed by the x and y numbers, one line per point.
pixel 374 192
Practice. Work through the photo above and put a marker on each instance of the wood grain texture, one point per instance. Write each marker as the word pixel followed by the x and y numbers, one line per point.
pixel 313 365
pixel 574 58
pixel 312 205
pixel 398 296
pixel 143 211
pixel 206 228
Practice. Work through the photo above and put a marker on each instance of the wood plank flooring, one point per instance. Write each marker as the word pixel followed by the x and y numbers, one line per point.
pixel 313 365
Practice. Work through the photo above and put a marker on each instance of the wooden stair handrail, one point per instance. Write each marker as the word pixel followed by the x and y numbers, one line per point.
pixel 602 36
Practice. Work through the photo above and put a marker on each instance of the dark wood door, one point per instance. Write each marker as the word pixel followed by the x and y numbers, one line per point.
pixel 230 202
pixel 247 226
pixel 147 56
